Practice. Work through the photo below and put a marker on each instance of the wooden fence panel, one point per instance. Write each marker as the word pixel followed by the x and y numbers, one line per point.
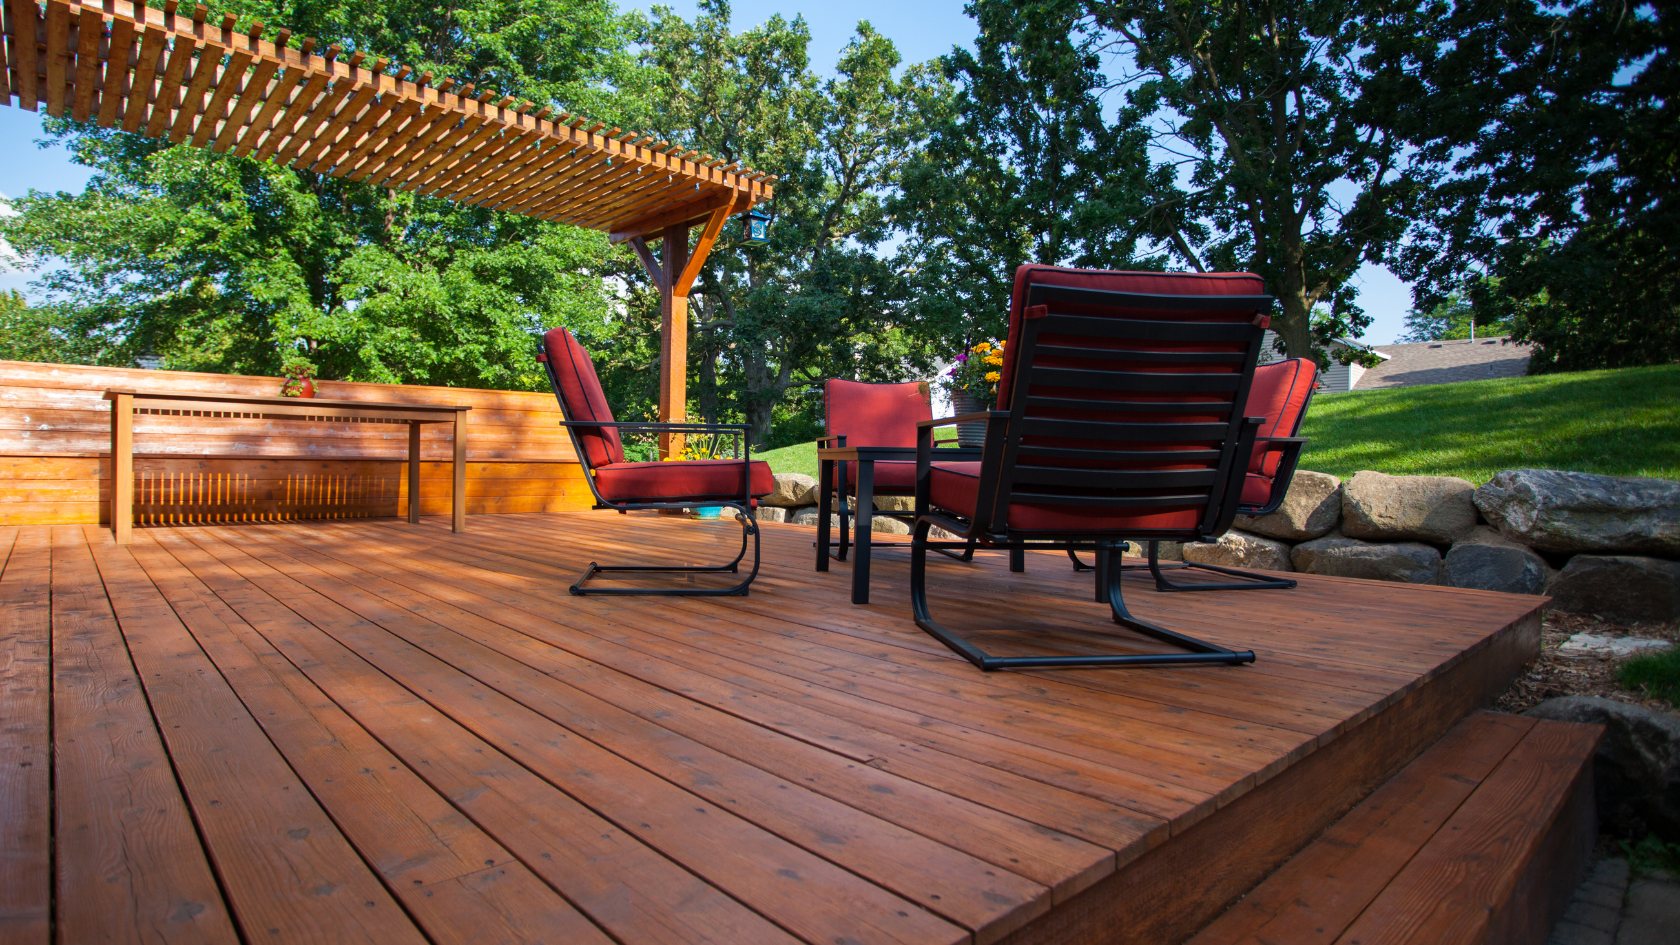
pixel 55 447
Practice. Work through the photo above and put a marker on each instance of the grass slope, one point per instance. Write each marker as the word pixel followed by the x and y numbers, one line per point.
pixel 1620 423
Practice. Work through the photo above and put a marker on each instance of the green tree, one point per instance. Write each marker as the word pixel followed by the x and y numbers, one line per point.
pixel 1556 124
pixel 817 300
pixel 1452 319
pixel 1268 133
pixel 1020 165
pixel 211 262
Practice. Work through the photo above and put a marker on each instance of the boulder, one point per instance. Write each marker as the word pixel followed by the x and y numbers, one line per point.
pixel 1571 512
pixel 1618 587
pixel 1238 549
pixel 1487 560
pixel 807 515
pixel 1339 556
pixel 1309 510
pixel 1637 767
pixel 895 503
pixel 771 513
pixel 792 490
pixel 1378 507
pixel 1168 551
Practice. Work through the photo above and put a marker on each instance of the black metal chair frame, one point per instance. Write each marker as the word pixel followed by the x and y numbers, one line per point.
pixel 1250 581
pixel 743 506
pixel 1003 482
pixel 841 492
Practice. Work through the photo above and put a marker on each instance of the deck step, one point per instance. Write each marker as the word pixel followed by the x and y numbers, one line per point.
pixel 1478 840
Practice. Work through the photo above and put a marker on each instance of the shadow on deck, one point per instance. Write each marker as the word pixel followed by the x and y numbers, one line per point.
pixel 367 731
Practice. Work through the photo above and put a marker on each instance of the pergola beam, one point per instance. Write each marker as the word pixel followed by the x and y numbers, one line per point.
pixel 174 75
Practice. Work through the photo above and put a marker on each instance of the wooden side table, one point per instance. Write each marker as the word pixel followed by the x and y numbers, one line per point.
pixel 125 403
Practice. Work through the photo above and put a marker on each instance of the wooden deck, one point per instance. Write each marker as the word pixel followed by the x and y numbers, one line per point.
pixel 365 731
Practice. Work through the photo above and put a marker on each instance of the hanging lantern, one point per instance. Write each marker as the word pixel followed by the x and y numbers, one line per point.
pixel 755 229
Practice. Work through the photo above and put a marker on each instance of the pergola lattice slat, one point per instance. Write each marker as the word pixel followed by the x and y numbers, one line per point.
pixel 175 75
pixel 180 76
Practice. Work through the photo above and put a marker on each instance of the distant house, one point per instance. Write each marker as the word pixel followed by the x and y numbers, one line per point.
pixel 1425 362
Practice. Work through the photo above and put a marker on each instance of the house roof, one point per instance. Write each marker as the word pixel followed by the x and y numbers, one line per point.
pixel 1446 362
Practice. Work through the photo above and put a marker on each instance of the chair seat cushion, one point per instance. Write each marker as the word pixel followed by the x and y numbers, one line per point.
pixel 891 477
pixel 680 482
pixel 1257 491
pixel 955 487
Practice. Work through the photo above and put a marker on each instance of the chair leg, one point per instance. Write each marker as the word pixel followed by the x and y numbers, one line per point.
pixel 749 529
pixel 1199 651
pixel 1250 580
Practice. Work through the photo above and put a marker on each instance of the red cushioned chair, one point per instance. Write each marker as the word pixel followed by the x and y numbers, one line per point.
pixel 626 487
pixel 1281 393
pixel 865 414
pixel 1120 416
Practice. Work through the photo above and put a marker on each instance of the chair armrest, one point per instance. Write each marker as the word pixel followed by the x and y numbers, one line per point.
pixel 965 418
pixel 663 427
pixel 839 439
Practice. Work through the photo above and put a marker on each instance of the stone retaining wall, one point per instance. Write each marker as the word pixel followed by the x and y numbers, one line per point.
pixel 1604 545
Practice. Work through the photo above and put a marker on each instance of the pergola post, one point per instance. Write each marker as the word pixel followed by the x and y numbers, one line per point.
pixel 673 338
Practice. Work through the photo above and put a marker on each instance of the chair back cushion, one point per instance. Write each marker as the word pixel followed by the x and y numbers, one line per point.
pixel 1126 393
pixel 581 398
pixel 1280 394
pixel 876 414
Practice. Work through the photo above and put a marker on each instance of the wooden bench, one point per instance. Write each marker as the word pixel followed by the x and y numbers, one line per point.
pixel 1478 840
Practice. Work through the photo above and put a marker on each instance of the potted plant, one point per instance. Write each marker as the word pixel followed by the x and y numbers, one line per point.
pixel 299 374
pixel 973 384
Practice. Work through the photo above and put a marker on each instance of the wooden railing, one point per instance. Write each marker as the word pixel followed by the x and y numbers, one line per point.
pixel 55 441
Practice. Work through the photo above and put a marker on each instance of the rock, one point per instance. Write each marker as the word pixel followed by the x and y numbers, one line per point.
pixel 772 513
pixel 1571 512
pixel 807 515
pixel 888 525
pixel 1378 507
pixel 1637 767
pixel 1238 549
pixel 1309 510
pixel 1339 556
pixel 1596 645
pixel 1487 560
pixel 895 503
pixel 1167 551
pixel 1618 587
pixel 792 490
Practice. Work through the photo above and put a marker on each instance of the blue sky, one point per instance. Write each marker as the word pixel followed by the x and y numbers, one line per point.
pixel 921 29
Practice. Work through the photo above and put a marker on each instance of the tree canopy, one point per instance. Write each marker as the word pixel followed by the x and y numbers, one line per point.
pixel 1511 158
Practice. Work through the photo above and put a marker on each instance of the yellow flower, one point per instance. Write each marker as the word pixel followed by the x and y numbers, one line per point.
pixel 993 359
pixel 983 347
pixel 992 377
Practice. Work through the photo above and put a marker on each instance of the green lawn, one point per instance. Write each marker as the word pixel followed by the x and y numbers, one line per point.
pixel 1620 423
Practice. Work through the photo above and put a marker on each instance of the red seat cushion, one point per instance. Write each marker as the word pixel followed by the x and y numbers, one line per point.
pixel 955 487
pixel 680 482
pixel 1280 393
pixel 876 414
pixel 890 477
pixel 581 398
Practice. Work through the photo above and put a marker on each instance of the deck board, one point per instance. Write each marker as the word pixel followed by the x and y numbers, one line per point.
pixel 488 758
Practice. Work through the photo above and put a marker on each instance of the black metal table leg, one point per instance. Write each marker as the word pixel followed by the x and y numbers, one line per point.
pixel 825 505
pixel 861 524
pixel 1017 560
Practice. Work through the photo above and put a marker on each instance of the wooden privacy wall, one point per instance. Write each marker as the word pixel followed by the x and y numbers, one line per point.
pixel 55 441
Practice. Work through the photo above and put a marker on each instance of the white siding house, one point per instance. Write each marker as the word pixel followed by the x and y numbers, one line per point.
pixel 1339 376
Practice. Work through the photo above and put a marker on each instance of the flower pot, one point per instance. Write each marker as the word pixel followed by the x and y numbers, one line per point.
pixel 968 434
pixel 297 387
pixel 709 513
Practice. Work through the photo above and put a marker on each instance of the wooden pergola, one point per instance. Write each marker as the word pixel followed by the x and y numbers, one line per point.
pixel 182 76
